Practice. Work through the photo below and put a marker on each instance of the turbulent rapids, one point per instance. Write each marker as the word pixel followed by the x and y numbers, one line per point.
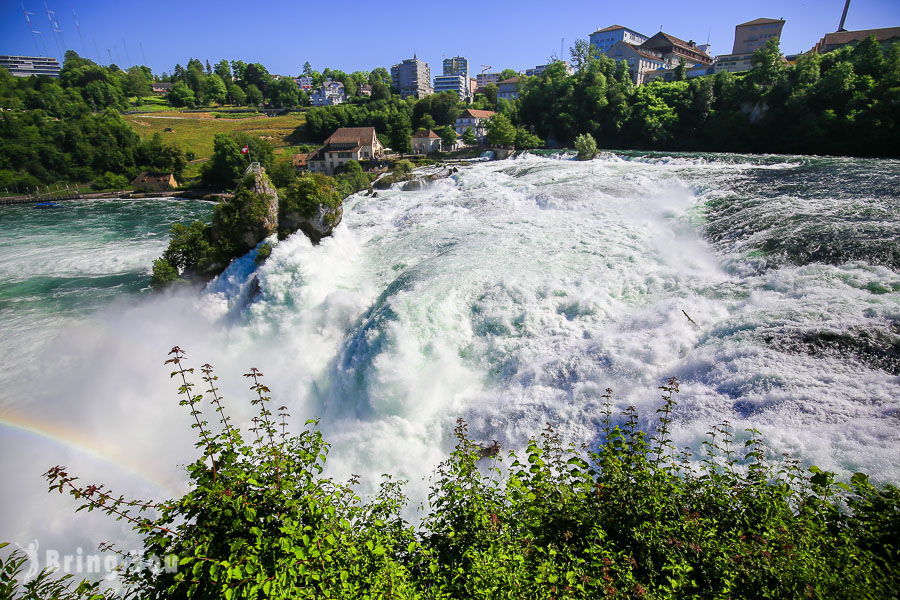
pixel 511 294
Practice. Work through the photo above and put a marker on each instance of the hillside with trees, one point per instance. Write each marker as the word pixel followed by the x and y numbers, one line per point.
pixel 845 102
pixel 70 130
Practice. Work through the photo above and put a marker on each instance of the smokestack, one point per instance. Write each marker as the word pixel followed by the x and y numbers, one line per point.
pixel 844 16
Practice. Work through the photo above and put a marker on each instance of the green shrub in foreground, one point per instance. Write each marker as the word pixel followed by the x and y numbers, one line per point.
pixel 631 519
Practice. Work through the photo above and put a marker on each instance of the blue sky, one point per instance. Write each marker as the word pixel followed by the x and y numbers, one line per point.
pixel 364 35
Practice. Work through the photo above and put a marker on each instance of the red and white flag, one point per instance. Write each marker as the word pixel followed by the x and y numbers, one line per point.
pixel 245 150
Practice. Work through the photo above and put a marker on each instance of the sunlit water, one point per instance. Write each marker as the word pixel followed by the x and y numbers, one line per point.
pixel 510 295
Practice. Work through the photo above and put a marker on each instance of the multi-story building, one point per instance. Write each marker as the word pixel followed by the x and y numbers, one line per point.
pixel 674 50
pixel 25 66
pixel 453 83
pixel 458 65
pixel 539 70
pixel 346 144
pixel 328 94
pixel 482 80
pixel 476 119
pixel 509 88
pixel 412 78
pixel 748 38
pixel 606 38
pixel 753 35
pixel 304 82
pixel 640 62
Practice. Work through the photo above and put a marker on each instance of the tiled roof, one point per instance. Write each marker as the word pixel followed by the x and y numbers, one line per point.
pixel 510 80
pixel 845 37
pixel 148 177
pixel 474 113
pixel 667 39
pixel 351 135
pixel 423 133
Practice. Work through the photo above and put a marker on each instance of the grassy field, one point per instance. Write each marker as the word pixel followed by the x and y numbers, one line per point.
pixel 195 131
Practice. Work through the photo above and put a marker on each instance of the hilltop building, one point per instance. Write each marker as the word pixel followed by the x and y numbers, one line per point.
pixel 748 38
pixel 674 50
pixel 832 41
pixel 411 78
pixel 458 65
pixel 482 80
pixel 457 84
pixel 606 38
pixel 476 119
pixel 26 66
pixel 509 88
pixel 753 35
pixel 640 62
pixel 329 93
pixel 304 82
pixel 346 144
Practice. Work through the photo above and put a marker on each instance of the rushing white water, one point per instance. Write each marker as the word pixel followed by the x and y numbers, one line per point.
pixel 510 295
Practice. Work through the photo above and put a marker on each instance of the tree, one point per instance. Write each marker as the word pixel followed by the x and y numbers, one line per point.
pixel 235 94
pixel 490 92
pixel 237 69
pixel 307 69
pixel 768 64
pixel 448 137
pixel 469 138
pixel 379 75
pixel 223 70
pixel 526 140
pixel 254 95
pixel 380 91
pixel 215 89
pixel 680 71
pixel 226 165
pixel 427 122
pixel 255 74
pixel 137 83
pixel 181 95
pixel 399 131
pixel 284 93
pixel 582 54
pixel 508 74
pixel 500 131
pixel 586 146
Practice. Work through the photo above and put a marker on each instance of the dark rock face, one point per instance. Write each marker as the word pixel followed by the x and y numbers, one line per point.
pixel 316 227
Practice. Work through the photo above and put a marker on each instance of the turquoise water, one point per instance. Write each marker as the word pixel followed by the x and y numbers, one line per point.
pixel 511 294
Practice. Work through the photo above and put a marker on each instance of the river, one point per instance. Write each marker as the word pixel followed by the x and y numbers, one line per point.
pixel 511 295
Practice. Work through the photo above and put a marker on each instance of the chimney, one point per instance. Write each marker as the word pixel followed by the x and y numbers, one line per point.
pixel 692 43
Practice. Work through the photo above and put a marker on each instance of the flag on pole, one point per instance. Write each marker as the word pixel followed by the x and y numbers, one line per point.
pixel 245 150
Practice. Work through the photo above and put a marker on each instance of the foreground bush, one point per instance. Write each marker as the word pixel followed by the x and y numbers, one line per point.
pixel 632 519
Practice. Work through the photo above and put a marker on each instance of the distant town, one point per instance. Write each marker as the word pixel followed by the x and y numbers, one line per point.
pixel 647 57
pixel 834 98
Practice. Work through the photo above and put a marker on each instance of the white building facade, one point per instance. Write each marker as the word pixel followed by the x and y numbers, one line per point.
pixel 606 38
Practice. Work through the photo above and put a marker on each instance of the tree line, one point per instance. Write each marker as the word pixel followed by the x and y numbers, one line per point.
pixel 70 129
pixel 844 102
pixel 251 84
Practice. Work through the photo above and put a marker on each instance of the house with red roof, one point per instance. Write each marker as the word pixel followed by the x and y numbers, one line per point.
pixel 346 144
